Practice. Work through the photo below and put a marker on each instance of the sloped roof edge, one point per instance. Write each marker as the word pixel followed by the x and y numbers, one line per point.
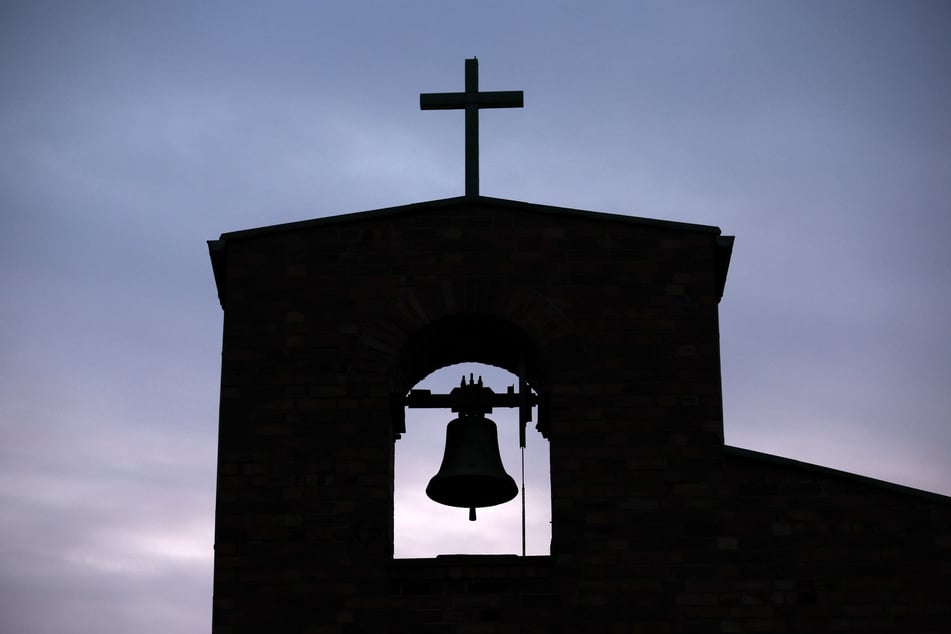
pixel 835 473
pixel 218 248
pixel 461 201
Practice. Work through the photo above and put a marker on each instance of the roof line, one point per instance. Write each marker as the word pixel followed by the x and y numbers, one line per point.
pixel 460 201
pixel 836 473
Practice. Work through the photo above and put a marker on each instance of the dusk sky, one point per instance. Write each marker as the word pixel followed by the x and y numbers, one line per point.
pixel 817 133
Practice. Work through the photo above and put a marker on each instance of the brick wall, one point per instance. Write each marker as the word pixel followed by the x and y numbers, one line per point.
pixel 656 528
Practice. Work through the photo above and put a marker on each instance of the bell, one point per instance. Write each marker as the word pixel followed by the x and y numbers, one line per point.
pixel 472 474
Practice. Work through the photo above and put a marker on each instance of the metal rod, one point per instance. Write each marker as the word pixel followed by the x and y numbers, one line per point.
pixel 424 399
pixel 523 501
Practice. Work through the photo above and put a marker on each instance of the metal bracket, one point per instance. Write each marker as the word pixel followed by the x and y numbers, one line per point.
pixel 475 399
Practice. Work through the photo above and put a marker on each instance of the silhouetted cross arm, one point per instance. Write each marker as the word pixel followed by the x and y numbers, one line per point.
pixel 457 100
pixel 471 101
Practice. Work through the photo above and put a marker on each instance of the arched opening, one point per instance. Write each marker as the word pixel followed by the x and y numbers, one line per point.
pixel 424 528
pixel 436 358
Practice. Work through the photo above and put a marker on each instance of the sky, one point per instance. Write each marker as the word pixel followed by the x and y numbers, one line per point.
pixel 817 133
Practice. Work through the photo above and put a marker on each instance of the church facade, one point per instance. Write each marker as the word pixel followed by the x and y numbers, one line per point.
pixel 657 526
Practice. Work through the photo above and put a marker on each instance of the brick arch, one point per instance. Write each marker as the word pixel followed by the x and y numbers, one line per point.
pixel 425 328
pixel 469 320
pixel 538 315
pixel 478 337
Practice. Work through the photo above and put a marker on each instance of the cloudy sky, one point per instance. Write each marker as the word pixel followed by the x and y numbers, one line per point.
pixel 817 133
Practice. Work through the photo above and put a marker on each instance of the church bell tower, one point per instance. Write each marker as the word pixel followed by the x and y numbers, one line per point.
pixel 613 322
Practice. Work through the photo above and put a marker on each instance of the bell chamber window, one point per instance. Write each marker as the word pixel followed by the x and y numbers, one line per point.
pixel 463 483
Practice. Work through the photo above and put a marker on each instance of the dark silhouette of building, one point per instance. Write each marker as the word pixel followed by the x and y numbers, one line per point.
pixel 656 525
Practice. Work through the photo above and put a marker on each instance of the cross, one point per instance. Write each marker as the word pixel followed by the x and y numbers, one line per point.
pixel 471 100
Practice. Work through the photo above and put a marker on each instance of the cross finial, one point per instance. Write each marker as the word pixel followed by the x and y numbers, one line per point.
pixel 471 101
